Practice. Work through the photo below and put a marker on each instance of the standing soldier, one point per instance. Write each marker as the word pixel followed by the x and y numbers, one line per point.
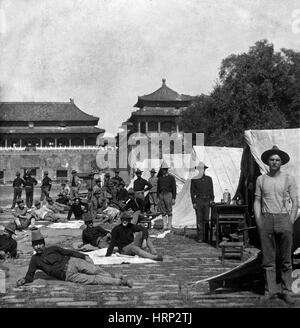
pixel 75 185
pixel 116 180
pixel 202 194
pixel 153 191
pixel 46 186
pixel 166 190
pixel 139 185
pixel 29 183
pixel 108 185
pixel 17 185
pixel 276 196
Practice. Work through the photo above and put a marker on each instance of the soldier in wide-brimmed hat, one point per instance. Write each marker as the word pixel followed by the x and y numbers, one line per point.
pixel 46 186
pixel 166 190
pixel 8 246
pixel 153 199
pixel 75 185
pixel 68 265
pixel 140 186
pixel 202 194
pixel 274 218
pixel 18 184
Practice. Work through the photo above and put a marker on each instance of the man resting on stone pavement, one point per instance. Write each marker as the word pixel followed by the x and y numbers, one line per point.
pixel 68 265
pixel 123 237
pixel 94 235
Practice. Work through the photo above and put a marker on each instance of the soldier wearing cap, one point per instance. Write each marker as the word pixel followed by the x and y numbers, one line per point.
pixel 274 192
pixel 123 237
pixel 77 208
pixel 75 185
pixel 116 181
pixel 43 213
pixel 68 265
pixel 140 185
pixel 122 194
pixel 29 183
pixel 134 205
pixel 23 217
pixel 46 186
pixel 18 183
pixel 153 191
pixel 94 235
pixel 166 190
pixel 202 194
pixel 8 246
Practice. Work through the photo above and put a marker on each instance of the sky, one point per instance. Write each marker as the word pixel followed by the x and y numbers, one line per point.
pixel 106 53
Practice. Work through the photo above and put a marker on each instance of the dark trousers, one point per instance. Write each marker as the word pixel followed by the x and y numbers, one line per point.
pixel 17 195
pixel 276 237
pixel 202 214
pixel 45 191
pixel 29 196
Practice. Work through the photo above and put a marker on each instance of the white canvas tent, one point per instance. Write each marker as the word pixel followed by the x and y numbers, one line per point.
pixel 224 169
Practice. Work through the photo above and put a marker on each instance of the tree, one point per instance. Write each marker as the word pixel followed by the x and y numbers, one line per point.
pixel 256 90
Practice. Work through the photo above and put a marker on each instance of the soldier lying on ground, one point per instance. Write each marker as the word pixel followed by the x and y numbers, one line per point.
pixel 123 237
pixel 23 218
pixel 8 246
pixel 43 213
pixel 68 265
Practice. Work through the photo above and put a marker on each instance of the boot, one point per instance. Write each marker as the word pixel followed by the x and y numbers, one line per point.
pixel 165 221
pixel 126 282
pixel 170 222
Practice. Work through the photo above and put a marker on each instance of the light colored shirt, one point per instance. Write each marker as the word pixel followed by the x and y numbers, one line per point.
pixel 40 213
pixel 153 181
pixel 275 192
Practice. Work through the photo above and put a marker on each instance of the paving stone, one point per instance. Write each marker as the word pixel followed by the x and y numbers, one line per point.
pixel 15 300
pixel 55 299
pixel 81 303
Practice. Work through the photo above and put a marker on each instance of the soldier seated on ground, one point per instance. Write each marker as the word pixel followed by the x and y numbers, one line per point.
pixel 123 236
pixel 78 209
pixel 23 218
pixel 134 205
pixel 68 265
pixel 95 235
pixel 42 213
pixel 64 194
pixel 8 246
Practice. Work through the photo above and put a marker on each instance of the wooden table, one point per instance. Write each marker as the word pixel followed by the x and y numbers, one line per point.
pixel 230 214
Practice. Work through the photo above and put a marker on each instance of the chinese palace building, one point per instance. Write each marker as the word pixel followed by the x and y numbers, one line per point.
pixel 53 136
pixel 159 111
pixel 46 124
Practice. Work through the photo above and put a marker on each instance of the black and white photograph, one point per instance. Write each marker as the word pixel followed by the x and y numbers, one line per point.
pixel 149 157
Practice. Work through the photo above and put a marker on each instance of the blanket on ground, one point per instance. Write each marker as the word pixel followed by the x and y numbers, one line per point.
pixel 66 225
pixel 98 257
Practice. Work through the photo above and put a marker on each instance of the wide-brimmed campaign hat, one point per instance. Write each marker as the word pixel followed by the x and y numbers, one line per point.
pixel 19 201
pixel 138 171
pixel 74 171
pixel 107 174
pixel 275 151
pixel 153 171
pixel 117 171
pixel 11 227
